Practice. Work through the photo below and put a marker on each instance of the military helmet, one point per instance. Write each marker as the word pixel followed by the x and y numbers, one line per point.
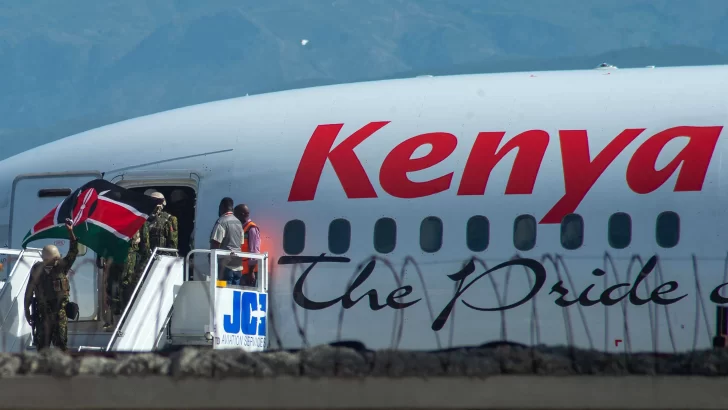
pixel 50 253
pixel 158 195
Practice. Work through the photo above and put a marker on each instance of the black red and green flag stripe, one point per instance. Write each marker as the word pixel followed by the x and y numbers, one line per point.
pixel 105 216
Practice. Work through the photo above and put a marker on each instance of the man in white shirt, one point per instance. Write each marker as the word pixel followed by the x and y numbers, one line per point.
pixel 228 234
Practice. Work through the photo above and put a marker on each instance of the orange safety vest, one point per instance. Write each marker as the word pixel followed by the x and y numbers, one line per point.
pixel 245 247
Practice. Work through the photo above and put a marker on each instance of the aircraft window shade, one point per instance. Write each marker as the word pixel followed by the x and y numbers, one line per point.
pixel 385 235
pixel 572 231
pixel 668 229
pixel 431 234
pixel 619 231
pixel 294 237
pixel 54 192
pixel 477 233
pixel 524 233
pixel 339 236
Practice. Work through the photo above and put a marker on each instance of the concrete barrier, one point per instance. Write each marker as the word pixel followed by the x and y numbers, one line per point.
pixel 327 377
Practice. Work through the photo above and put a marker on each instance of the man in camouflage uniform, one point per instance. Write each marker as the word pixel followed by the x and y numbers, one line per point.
pixel 113 285
pixel 137 251
pixel 162 229
pixel 49 288
pixel 122 275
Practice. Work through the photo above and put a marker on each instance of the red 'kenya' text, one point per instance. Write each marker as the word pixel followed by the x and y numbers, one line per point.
pixel 580 170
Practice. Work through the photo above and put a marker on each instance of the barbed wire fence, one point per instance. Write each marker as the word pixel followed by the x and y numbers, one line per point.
pixel 700 359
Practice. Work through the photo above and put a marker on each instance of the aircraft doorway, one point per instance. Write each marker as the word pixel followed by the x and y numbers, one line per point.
pixel 181 203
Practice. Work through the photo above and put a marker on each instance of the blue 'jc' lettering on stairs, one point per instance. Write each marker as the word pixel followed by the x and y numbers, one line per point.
pixel 248 315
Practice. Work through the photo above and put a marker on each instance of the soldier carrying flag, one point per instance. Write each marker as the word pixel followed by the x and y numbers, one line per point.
pixel 100 215
pixel 48 291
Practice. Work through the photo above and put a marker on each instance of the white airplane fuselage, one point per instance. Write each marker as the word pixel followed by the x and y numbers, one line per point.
pixel 433 155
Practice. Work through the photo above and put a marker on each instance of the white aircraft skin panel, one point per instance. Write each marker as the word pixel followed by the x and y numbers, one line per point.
pixel 269 134
pixel 273 113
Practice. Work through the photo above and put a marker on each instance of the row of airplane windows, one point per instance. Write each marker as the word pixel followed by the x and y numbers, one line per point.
pixel 477 233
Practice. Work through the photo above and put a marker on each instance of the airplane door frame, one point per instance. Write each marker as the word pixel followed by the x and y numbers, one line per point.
pixel 21 177
pixel 89 254
pixel 171 178
pixel 136 179
pixel 181 178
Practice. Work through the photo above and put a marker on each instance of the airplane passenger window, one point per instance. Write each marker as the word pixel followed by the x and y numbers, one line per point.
pixel 54 192
pixel 668 229
pixel 572 231
pixel 477 234
pixel 294 237
pixel 431 234
pixel 619 231
pixel 524 233
pixel 385 235
pixel 339 236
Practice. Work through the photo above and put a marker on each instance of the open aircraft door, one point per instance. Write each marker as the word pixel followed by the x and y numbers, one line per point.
pixel 169 179
pixel 33 196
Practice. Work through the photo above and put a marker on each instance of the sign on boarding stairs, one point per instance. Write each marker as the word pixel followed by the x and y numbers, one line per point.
pixel 239 314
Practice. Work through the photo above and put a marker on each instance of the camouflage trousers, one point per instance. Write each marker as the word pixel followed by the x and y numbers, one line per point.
pixel 130 278
pixel 51 325
pixel 121 282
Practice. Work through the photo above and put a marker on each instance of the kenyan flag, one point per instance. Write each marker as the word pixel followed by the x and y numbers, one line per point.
pixel 105 217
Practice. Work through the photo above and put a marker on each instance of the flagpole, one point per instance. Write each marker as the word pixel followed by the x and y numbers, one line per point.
pixel 107 313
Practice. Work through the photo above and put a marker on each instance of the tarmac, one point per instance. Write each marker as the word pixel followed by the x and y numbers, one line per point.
pixel 496 376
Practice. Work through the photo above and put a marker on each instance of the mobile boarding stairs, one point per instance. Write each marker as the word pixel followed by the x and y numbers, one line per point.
pixel 166 309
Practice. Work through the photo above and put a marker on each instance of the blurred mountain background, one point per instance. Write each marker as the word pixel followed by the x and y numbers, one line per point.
pixel 66 67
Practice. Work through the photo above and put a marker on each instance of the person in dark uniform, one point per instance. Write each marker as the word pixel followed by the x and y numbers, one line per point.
pixel 49 288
